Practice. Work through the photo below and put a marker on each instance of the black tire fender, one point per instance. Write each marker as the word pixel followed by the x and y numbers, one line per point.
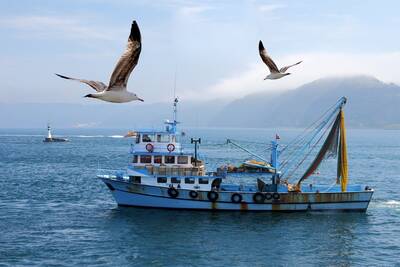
pixel 268 196
pixel 258 197
pixel 212 196
pixel 193 194
pixel 172 192
pixel 236 198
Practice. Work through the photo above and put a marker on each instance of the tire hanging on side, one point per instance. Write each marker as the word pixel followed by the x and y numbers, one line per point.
pixel 172 192
pixel 258 197
pixel 212 196
pixel 236 198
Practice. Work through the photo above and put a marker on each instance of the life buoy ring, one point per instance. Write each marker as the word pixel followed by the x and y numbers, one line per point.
pixel 258 197
pixel 193 194
pixel 170 147
pixel 268 196
pixel 172 192
pixel 236 198
pixel 212 196
pixel 149 147
pixel 276 196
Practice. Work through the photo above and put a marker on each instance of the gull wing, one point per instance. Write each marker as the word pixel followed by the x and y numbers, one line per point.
pixel 128 61
pixel 284 69
pixel 267 59
pixel 98 86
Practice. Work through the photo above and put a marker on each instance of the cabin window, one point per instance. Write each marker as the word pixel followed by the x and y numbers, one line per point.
pixel 173 139
pixel 175 180
pixel 137 138
pixel 189 180
pixel 135 179
pixel 161 180
pixel 135 159
pixel 203 181
pixel 165 138
pixel 145 159
pixel 183 160
pixel 169 159
pixel 158 159
pixel 146 138
pixel 159 138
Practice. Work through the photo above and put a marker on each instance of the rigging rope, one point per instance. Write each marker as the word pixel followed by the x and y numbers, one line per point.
pixel 311 150
pixel 301 139
pixel 309 127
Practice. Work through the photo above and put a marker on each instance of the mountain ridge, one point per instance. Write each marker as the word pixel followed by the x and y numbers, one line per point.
pixel 371 104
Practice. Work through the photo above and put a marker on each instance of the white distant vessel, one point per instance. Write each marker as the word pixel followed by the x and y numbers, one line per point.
pixel 162 174
pixel 50 138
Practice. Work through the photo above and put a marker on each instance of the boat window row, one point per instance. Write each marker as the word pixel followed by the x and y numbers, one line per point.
pixel 160 138
pixel 158 159
pixel 176 180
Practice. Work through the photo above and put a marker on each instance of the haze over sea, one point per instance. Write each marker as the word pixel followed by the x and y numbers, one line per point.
pixel 53 210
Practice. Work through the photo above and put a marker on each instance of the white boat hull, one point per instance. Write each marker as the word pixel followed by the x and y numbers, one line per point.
pixel 127 194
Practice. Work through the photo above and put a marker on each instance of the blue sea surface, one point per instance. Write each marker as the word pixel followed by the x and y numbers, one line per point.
pixel 54 212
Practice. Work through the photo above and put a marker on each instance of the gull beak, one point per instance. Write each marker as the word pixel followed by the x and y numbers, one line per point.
pixel 140 99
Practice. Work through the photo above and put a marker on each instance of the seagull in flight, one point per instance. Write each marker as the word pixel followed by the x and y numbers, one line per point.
pixel 275 72
pixel 116 91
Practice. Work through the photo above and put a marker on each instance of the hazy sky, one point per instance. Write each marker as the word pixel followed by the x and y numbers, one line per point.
pixel 211 45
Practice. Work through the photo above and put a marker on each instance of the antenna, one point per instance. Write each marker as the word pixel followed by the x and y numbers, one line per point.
pixel 175 98
pixel 176 70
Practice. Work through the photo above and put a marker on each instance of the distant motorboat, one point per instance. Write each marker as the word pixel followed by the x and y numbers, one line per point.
pixel 50 138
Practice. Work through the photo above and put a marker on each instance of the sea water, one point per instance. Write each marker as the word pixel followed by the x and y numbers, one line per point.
pixel 53 210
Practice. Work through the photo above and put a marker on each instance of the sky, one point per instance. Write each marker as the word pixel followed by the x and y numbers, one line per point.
pixel 210 48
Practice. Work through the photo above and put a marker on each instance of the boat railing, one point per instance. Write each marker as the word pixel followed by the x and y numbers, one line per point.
pixel 174 170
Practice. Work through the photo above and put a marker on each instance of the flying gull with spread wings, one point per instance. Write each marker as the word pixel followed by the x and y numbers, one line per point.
pixel 275 73
pixel 116 91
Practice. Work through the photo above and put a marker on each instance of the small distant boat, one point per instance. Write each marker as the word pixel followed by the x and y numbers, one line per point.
pixel 50 138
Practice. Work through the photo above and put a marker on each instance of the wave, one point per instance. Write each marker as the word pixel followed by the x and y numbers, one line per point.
pixel 99 136
pixel 74 136
pixel 394 204
pixel 89 136
pixel 116 136
pixel 22 135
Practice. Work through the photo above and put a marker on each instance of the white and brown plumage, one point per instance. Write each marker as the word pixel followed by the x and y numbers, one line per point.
pixel 275 73
pixel 116 91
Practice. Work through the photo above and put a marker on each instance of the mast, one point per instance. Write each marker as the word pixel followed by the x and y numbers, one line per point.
pixel 275 160
pixel 175 111
pixel 172 125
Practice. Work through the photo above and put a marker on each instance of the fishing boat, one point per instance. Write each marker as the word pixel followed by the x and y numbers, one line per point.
pixel 162 174
pixel 50 138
